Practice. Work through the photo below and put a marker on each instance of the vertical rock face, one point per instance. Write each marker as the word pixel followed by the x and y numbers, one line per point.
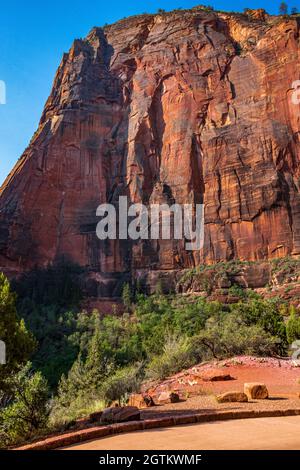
pixel 184 107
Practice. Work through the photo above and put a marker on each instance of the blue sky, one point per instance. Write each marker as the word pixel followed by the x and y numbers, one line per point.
pixel 33 37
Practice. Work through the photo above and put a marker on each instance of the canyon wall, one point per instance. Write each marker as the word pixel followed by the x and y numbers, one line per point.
pixel 187 107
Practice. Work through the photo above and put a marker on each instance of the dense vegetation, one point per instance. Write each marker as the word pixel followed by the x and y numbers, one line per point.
pixel 81 362
pixel 46 300
pixel 19 342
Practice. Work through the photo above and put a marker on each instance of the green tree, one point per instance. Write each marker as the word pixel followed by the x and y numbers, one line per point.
pixel 264 313
pixel 121 384
pixel 176 355
pixel 230 336
pixel 126 296
pixel 20 344
pixel 293 326
pixel 99 362
pixel 294 11
pixel 28 411
pixel 283 8
pixel 74 385
pixel 87 375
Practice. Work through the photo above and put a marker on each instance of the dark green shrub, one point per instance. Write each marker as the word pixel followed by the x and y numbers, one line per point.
pixel 121 384
pixel 266 314
pixel 28 412
pixel 176 355
pixel 231 336
pixel 293 326
pixel 127 297
pixel 237 291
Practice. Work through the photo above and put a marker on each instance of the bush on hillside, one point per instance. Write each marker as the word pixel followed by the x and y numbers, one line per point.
pixel 27 413
pixel 231 336
pixel 118 387
pixel 293 327
pixel 266 314
pixel 176 355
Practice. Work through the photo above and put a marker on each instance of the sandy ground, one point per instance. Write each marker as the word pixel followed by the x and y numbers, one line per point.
pixel 248 434
pixel 282 377
pixel 207 404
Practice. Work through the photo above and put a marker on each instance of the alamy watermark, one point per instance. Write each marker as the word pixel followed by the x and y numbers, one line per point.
pixel 153 222
pixel 2 92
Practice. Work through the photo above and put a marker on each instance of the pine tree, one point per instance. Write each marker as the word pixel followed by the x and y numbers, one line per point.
pixel 98 364
pixel 283 8
pixel 86 377
pixel 126 296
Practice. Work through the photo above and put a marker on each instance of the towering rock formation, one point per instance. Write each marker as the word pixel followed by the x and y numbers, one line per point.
pixel 188 106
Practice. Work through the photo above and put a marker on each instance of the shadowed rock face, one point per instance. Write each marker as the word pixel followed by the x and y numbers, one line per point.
pixel 186 107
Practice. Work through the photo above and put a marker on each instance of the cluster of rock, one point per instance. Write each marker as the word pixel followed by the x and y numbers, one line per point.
pixel 120 414
pixel 145 401
pixel 131 412
pixel 252 391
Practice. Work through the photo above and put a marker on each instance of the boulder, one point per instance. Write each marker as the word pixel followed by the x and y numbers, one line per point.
pixel 255 390
pixel 174 397
pixel 140 401
pixel 81 423
pixel 257 14
pixel 215 375
pixel 230 397
pixel 120 414
pixel 95 417
pixel 168 397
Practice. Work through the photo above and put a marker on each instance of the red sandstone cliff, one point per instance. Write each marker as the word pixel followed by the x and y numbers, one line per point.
pixel 188 106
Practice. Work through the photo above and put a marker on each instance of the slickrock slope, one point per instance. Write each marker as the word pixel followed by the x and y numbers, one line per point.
pixel 188 106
